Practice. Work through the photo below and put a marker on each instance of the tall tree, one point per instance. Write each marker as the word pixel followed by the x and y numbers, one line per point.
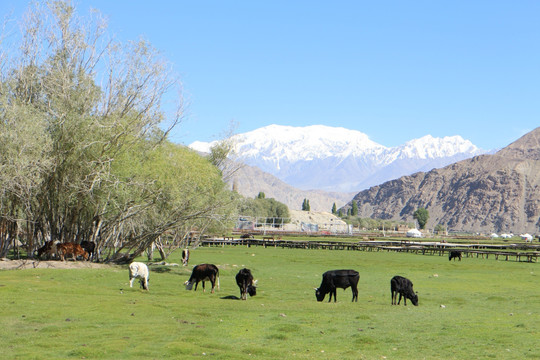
pixel 334 208
pixel 305 205
pixel 421 215
pixel 354 208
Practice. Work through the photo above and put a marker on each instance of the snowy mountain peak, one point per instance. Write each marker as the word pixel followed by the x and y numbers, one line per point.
pixel 303 143
pixel 428 147
pixel 339 159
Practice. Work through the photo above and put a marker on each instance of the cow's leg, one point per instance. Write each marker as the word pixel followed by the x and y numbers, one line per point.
pixel 131 281
pixel 213 286
pixel 405 300
pixel 196 283
pixel 354 293
pixel 399 301
pixel 145 283
pixel 334 291
pixel 203 289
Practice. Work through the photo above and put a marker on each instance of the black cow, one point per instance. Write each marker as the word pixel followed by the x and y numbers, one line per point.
pixel 89 247
pixel 455 254
pixel 203 272
pixel 245 282
pixel 403 287
pixel 48 249
pixel 333 279
pixel 185 257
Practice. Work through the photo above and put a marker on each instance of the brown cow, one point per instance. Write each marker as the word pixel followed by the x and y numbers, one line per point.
pixel 67 249
pixel 203 272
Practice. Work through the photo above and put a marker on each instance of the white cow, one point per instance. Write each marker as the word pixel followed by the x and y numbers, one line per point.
pixel 138 270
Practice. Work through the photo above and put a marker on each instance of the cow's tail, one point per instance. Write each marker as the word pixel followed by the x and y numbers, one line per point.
pixel 218 279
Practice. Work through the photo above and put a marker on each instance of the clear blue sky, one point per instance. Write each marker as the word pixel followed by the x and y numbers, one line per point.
pixel 395 70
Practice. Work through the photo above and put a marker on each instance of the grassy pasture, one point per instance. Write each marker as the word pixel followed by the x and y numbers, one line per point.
pixel 491 310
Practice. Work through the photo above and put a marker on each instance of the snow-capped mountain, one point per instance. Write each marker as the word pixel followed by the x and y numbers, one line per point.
pixel 338 159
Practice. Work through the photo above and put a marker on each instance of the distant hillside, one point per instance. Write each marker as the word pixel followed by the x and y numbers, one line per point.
pixel 251 180
pixel 499 192
pixel 339 159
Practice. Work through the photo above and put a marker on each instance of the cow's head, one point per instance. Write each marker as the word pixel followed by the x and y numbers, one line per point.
pixel 252 289
pixel 189 285
pixel 319 294
pixel 414 299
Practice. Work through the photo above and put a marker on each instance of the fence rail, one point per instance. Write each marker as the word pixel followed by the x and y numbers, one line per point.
pixel 484 251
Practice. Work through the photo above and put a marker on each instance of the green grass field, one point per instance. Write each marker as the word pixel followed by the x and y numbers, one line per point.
pixel 491 310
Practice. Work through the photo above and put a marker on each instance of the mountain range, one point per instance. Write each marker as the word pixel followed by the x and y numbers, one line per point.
pixel 340 160
pixel 488 193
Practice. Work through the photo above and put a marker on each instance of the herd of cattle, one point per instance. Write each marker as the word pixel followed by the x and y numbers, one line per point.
pixel 52 249
pixel 331 280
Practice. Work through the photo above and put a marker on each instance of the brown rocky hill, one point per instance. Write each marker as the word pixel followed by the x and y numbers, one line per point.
pixel 488 193
pixel 250 180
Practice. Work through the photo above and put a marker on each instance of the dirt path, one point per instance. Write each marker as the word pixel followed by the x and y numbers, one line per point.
pixel 6 264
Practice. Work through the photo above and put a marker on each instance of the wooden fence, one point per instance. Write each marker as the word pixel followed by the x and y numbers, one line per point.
pixel 484 251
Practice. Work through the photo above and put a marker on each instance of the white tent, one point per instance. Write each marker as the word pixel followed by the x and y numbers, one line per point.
pixel 414 233
pixel 526 237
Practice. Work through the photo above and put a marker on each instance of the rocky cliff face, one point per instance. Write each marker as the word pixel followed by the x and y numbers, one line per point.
pixel 488 193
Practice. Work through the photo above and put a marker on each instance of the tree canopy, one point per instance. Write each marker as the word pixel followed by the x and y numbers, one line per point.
pixel 263 207
pixel 421 215
pixel 84 153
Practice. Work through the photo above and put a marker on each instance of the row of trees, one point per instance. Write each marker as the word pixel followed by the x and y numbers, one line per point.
pixel 84 153
pixel 421 215
pixel 263 207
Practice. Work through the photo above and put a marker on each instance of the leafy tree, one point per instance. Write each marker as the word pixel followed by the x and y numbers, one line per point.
pixel 334 209
pixel 261 195
pixel 268 208
pixel 421 215
pixel 354 208
pixel 440 228
pixel 305 205
pixel 83 141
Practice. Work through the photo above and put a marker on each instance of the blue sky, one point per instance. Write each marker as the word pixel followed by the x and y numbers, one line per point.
pixel 395 70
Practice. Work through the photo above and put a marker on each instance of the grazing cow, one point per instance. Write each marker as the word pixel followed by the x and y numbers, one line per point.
pixel 333 279
pixel 403 287
pixel 203 272
pixel 67 249
pixel 89 247
pixel 246 236
pixel 455 254
pixel 245 282
pixel 138 270
pixel 185 257
pixel 49 249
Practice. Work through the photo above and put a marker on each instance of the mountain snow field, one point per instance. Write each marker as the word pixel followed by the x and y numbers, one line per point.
pixel 338 159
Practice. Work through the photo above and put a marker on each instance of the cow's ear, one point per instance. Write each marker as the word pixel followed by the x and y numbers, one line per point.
pixel 255 282
pixel 315 289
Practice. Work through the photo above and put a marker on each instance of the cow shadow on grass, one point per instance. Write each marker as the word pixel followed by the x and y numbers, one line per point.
pixel 162 270
pixel 230 297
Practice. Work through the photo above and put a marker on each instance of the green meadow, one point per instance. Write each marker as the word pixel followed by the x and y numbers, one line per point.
pixel 473 309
